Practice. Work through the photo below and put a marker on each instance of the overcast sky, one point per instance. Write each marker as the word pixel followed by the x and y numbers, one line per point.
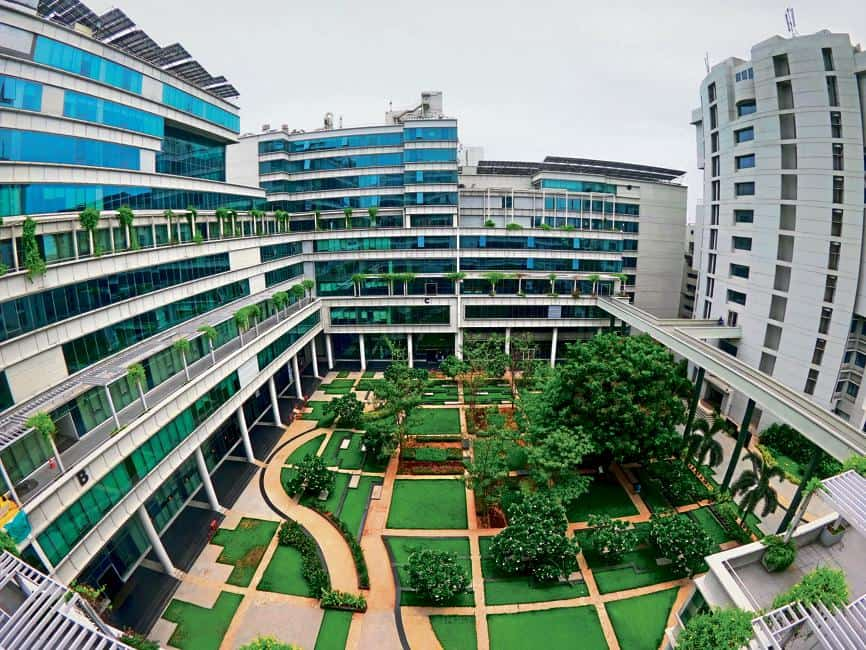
pixel 612 80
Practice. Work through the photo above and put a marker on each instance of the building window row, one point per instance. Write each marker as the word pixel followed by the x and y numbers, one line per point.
pixel 39 147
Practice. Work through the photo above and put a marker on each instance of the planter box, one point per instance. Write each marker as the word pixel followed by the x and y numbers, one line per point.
pixel 830 538
pixel 343 608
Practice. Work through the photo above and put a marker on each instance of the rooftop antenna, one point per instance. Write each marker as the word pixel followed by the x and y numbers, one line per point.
pixel 707 61
pixel 791 21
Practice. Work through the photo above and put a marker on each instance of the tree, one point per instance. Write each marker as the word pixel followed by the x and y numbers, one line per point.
pixel 809 490
pixel 33 261
pixel 89 220
pixel 211 334
pixel 192 214
pixel 42 423
pixel 406 279
pixel 720 629
pixel 552 279
pixel 488 468
pixel 8 544
pixel 297 292
pixel 494 278
pixel 357 281
pixel 611 538
pixel 594 278
pixel 311 476
pixel 372 212
pixel 682 541
pixel 625 391
pixel 169 215
pixel 222 216
pixel 456 277
pixel 347 215
pixel 380 438
pixel 401 390
pixel 268 643
pixel 484 358
pixel 389 278
pixel 126 216
pixel 182 345
pixel 436 576
pixel 754 485
pixel 281 301
pixel 554 457
pixel 136 374
pixel 701 444
pixel 348 409
pixel 535 542
pixel 308 286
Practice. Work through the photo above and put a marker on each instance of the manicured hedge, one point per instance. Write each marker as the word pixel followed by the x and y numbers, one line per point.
pixel 314 572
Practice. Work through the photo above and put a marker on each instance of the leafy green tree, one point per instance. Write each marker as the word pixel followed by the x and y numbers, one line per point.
pixel 222 216
pixel 373 213
pixel 701 444
pixel 310 476
pixel 380 438
pixel 211 334
pixel 357 282
pixel 754 485
pixel 242 320
pixel 485 358
pixel 624 390
pixel 268 643
pixel 535 542
pixel 137 375
pixel 487 471
pixel 169 215
pixel 308 286
pixel 821 585
pixel 126 217
pixel 182 345
pixel 347 409
pixel 347 215
pixel 594 278
pixel 610 538
pixel 456 277
pixel 89 220
pixel 554 457
pixel 297 291
pixel 857 463
pixel 281 300
pixel 494 278
pixel 436 576
pixel 33 261
pixel 42 423
pixel 720 629
pixel 401 390
pixel 682 541
pixel 552 279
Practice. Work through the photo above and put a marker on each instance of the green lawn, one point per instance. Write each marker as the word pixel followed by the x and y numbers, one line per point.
pixel 619 578
pixel 334 630
pixel 244 547
pixel 355 504
pixel 651 496
pixel 425 422
pixel 455 632
pixel 368 374
pixel 338 387
pixel 342 374
pixel 284 575
pixel 350 458
pixel 200 628
pixel 309 447
pixel 439 392
pixel 332 503
pixel 318 414
pixel 708 522
pixel 428 503
pixel 640 622
pixel 401 548
pixel 368 384
pixel 553 629
pixel 494 393
pixel 605 497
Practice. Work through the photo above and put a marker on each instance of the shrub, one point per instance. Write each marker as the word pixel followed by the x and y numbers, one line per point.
pixel 779 555
pixel 790 442
pixel 729 517
pixel 267 643
pixel 514 226
pixel 292 534
pixel 720 629
pixel 431 454
pixel 611 538
pixel 490 223
pixel 8 544
pixel 436 576
pixel 311 476
pixel 333 599
pixel 138 641
pixel 679 485
pixel 354 546
pixel 822 585
pixel 348 409
pixel 682 541
pixel 857 463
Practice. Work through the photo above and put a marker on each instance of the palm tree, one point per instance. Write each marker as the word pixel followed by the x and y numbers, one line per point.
pixel 281 301
pixel 494 277
pixel 242 320
pixel 702 445
pixel 222 215
pixel 406 278
pixel 456 277
pixel 211 334
pixel 297 292
pixel 594 278
pixel 182 345
pixel 257 215
pixel 575 291
pixel 308 286
pixel 256 315
pixel 754 486
pixel 42 423
pixel 552 278
pixel 347 215
pixel 812 486
pixel 193 230
pixel 126 216
pixel 89 219
pixel 389 278
pixel 519 277
pixel 136 373
pixel 357 280
pixel 372 213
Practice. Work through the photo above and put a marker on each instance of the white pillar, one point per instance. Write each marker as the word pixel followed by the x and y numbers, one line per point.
pixel 15 250
pixel 245 434
pixel 57 454
pixel 111 406
pixel 363 352
pixel 38 550
pixel 553 343
pixel 315 353
pixel 458 344
pixel 296 372
pixel 410 353
pixel 155 541
pixel 206 481
pixel 329 350
pixel 275 405
pixel 507 340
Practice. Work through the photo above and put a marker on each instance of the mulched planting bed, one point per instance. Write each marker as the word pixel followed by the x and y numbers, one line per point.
pixel 244 547
pixel 427 421
pixel 200 628
pixel 402 547
pixel 553 629
pixel 640 622
pixel 605 497
pixel 455 632
pixel 309 447
pixel 428 503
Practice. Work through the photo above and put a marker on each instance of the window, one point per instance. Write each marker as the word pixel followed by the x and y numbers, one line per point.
pixel 744 216
pixel 778 307
pixel 71 59
pixel 711 92
pixel 832 91
pixel 184 101
pixel 772 337
pixel 708 307
pixel 740 271
pixel 860 360
pixel 714 215
pixel 787 217
pixel 741 243
pixel 818 352
pixel 785 95
pixel 714 117
pixel 852 389
pixel 767 363
pixel 824 322
pixel 785 252
pixel 746 107
pixel 715 166
pixel 714 142
pixel 789 187
pixel 732 319
pixel 838 189
pixel 743 75
pixel 102 111
pixel 745 162
pixel 430 133
pixel 711 263
pixel 714 239
pixel 430 155
pixel 782 279
pixel 744 135
pixel 737 297
pixel 38 147
pixel 780 65
pixel 787 126
pixel 811 380
pixel 836 223
pixel 21 94
pixel 187 154
pixel 833 257
pixel 830 288
pixel 711 287
pixel 835 124
pixel 744 189
pixel 838 156
pixel 827 55
pixel 716 188
pixel 789 156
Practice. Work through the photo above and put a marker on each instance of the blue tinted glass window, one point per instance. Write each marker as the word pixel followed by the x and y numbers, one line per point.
pixel 322 164
pixel 744 135
pixel 430 155
pixel 18 93
pixel 744 216
pixel 339 203
pixel 740 271
pixel 742 243
pixel 71 59
pixel 745 162
pixel 430 133
pixel 737 297
pixel 101 111
pixel 339 142
pixel 430 176
pixel 746 108
pixel 431 198
pixel 187 154
pixel 577 186
pixel 339 183
pixel 183 101
pixel 32 146
pixel 744 189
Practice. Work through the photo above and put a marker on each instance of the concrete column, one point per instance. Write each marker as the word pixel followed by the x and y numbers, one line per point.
pixel 245 434
pixel 553 343
pixel 275 404
pixel 15 250
pixel 410 352
pixel 742 439
pixel 507 340
pixel 363 352
pixel 296 373
pixel 315 353
pixel 693 407
pixel 329 350
pixel 206 480
pixel 74 244
pixel 458 344
pixel 155 541
pixel 111 406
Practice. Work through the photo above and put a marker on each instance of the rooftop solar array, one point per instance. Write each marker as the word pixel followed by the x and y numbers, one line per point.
pixel 115 28
pixel 580 166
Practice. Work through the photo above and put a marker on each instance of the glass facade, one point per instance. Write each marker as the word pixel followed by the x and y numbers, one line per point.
pixel 5 394
pixel 431 198
pixel 325 164
pixel 183 101
pixel 339 183
pixel 541 243
pixel 335 278
pixel 36 147
pixel 55 197
pixel 393 315
pixel 539 264
pixel 339 202
pixel 71 59
pixel 430 176
pixel 339 142
pixel 553 312
pixel 431 220
pixel 284 274
pixel 25 455
pixel 275 349
pixel 430 155
pixel 90 348
pixel 415 134
pixel 587 205
pixel 35 310
pixel 577 186
pixel 278 251
pixel 187 154
pixel 62 535
pixel 383 243
pixel 20 94
pixel 101 111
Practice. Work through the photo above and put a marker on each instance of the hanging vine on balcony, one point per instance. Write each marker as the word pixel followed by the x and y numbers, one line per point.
pixel 33 261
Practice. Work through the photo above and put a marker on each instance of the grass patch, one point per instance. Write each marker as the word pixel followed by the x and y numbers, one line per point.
pixel 494 392
pixel 335 496
pixel 244 547
pixel 284 575
pixel 605 497
pixel 455 632
pixel 640 622
pixel 334 630
pixel 200 628
pixel 349 458
pixel 368 384
pixel 342 374
pixel 428 503
pixel 565 628
pixel 651 495
pixel 309 447
pixel 711 526
pixel 318 414
pixel 401 548
pixel 440 392
pixel 355 504
pixel 368 374
pixel 641 570
pixel 424 422
pixel 338 387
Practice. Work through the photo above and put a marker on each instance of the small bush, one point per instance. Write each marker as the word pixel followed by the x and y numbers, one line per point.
pixel 822 585
pixel 611 538
pixel 139 642
pixel 677 482
pixel 790 442
pixel 332 599
pixel 292 534
pixel 779 555
pixel 436 576
pixel 311 476
pixel 514 226
pixel 728 516
pixel 267 643
pixel 721 629
pixel 490 223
